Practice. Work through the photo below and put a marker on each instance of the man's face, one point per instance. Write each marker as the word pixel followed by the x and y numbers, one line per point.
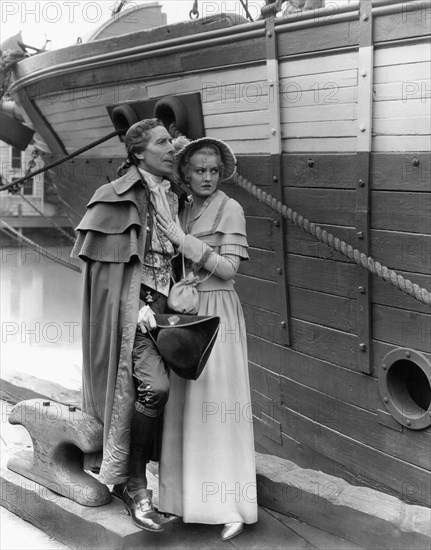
pixel 158 156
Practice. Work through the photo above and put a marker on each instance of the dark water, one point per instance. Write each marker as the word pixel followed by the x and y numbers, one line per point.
pixel 40 316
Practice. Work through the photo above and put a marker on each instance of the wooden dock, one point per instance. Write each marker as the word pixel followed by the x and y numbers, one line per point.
pixel 298 508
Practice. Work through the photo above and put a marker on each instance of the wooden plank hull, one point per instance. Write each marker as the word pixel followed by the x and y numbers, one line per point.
pixel 313 401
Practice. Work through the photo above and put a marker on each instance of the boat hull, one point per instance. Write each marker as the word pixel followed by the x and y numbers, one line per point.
pixel 328 115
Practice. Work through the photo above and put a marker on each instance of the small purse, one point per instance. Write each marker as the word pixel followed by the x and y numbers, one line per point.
pixel 184 296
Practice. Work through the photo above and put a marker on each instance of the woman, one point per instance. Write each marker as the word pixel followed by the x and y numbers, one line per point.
pixel 207 467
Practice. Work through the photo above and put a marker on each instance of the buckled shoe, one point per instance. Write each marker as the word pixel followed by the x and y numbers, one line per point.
pixel 139 506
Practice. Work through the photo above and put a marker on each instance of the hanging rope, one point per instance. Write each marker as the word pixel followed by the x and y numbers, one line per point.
pixel 376 268
pixel 245 6
pixel 11 232
pixel 17 184
pixel 50 220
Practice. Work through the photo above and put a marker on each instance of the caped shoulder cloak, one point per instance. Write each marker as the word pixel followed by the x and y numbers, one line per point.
pixel 111 241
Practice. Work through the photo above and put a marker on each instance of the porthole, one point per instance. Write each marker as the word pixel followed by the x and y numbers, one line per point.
pixel 405 387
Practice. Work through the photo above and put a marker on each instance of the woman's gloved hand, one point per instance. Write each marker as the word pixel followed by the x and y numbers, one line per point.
pixel 146 319
pixel 171 229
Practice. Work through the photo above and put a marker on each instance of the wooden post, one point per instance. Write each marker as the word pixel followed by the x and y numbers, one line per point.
pixel 362 212
pixel 279 228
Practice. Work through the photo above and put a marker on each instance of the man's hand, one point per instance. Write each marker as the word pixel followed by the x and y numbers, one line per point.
pixel 146 319
pixel 171 229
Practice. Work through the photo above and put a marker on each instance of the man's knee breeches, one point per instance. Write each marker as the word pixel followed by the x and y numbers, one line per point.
pixel 150 376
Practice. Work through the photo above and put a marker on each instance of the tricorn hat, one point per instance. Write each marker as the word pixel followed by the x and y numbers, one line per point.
pixel 185 342
pixel 227 156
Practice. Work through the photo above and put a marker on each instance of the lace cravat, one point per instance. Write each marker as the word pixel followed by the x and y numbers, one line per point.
pixel 158 187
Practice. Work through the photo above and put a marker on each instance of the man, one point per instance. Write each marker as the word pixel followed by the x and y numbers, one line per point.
pixel 126 280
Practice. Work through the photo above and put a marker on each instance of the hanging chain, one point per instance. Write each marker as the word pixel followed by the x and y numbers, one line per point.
pixel 194 12
pixel 31 165
pixel 14 189
pixel 32 162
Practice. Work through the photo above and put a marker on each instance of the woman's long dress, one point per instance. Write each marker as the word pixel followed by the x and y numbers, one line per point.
pixel 207 466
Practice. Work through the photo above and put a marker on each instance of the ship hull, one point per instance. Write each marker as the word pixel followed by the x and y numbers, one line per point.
pixel 328 114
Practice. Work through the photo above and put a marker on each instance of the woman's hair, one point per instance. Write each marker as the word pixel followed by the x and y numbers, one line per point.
pixel 136 141
pixel 208 149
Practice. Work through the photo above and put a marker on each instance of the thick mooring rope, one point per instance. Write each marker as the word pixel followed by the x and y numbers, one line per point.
pixel 15 185
pixel 376 268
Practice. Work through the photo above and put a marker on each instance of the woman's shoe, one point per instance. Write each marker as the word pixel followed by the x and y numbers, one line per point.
pixel 231 530
pixel 139 506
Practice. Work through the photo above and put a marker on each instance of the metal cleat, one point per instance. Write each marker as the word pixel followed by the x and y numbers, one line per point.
pixel 61 435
